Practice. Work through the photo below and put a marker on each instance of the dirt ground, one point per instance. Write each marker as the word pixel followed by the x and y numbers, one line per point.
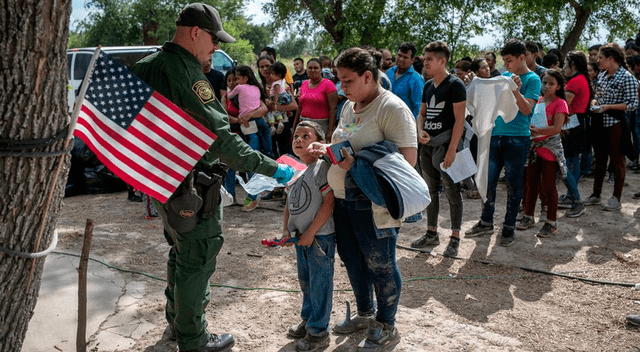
pixel 484 302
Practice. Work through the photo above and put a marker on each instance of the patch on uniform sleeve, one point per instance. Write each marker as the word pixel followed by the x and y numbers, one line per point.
pixel 204 92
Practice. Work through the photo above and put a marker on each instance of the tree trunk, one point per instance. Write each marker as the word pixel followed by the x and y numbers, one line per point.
pixel 572 38
pixel 33 105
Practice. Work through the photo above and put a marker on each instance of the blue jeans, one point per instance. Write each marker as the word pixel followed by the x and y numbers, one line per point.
pixel 230 182
pixel 315 274
pixel 509 152
pixel 264 136
pixel 573 176
pixel 254 141
pixel 369 256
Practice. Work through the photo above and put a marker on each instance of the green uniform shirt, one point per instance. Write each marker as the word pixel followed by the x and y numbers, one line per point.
pixel 177 75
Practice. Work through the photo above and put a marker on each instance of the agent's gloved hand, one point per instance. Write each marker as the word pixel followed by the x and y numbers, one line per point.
pixel 283 174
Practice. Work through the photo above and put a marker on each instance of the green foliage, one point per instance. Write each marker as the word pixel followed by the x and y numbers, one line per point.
pixel 259 36
pixel 242 49
pixel 383 23
pixel 292 46
pixel 550 21
pixel 121 22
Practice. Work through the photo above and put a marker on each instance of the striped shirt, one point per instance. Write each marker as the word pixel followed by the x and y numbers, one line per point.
pixel 619 88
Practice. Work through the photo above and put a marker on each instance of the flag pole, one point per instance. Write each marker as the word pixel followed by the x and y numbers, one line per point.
pixel 56 175
pixel 83 90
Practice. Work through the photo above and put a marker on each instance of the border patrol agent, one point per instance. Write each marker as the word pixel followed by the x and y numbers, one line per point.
pixel 192 217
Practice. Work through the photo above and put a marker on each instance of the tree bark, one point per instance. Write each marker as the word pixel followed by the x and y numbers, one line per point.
pixel 33 105
pixel 572 38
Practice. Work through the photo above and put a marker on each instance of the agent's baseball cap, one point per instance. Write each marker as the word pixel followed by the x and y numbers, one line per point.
pixel 206 17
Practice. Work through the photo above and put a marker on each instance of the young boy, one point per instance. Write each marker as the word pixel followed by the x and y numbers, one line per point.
pixel 440 126
pixel 510 144
pixel 309 213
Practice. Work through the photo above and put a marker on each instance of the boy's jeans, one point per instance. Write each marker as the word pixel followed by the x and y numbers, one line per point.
pixel 511 153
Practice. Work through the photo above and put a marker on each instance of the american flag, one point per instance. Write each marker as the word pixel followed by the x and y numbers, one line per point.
pixel 137 133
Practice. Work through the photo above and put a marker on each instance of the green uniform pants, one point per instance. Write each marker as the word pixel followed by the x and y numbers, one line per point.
pixel 192 261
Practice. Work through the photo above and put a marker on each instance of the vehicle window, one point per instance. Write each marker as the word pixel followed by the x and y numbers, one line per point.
pixel 69 58
pixel 221 62
pixel 81 64
pixel 128 59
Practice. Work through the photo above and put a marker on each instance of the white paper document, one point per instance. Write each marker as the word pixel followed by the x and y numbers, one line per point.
pixel 463 166
pixel 539 118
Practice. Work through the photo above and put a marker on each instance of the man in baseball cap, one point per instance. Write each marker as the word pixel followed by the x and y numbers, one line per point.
pixel 196 237
pixel 206 17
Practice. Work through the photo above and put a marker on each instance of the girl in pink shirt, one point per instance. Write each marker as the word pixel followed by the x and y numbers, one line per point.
pixel 544 166
pixel 248 91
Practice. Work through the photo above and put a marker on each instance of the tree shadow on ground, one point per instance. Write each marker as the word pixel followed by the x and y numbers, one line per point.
pixel 475 291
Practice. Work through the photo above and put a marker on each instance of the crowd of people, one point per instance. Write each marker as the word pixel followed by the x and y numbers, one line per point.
pixel 572 116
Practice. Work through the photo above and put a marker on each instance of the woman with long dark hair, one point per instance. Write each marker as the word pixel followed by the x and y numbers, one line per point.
pixel 574 138
pixel 616 91
pixel 366 233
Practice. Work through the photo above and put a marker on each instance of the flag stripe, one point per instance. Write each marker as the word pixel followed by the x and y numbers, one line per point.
pixel 158 117
pixel 125 173
pixel 202 133
pixel 145 119
pixel 165 150
pixel 146 156
pixel 114 143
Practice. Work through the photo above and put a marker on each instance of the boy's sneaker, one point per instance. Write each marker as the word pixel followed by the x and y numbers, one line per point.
pixel 507 237
pixel 565 202
pixel 520 215
pixel 592 200
pixel 298 331
pixel 576 210
pixel 546 231
pixel 479 229
pixel 452 248
pixel 355 323
pixel 380 337
pixel 313 343
pixel 527 222
pixel 250 204
pixel 612 204
pixel 429 239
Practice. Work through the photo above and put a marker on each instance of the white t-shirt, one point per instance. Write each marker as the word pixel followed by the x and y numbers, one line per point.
pixel 387 117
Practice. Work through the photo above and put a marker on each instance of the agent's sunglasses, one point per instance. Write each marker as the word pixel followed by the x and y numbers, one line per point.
pixel 214 38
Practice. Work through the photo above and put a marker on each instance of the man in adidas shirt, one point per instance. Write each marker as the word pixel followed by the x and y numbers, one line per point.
pixel 440 127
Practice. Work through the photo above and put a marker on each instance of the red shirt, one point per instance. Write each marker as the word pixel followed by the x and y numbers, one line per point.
pixel 579 86
pixel 558 105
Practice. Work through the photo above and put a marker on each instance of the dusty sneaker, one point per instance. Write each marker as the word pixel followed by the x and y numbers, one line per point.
pixel 507 237
pixel 380 337
pixel 576 210
pixel 479 229
pixel 298 331
pixel 250 204
pixel 313 343
pixel 431 238
pixel 355 323
pixel 452 248
pixel 592 200
pixel 612 204
pixel 547 230
pixel 565 202
pixel 527 222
